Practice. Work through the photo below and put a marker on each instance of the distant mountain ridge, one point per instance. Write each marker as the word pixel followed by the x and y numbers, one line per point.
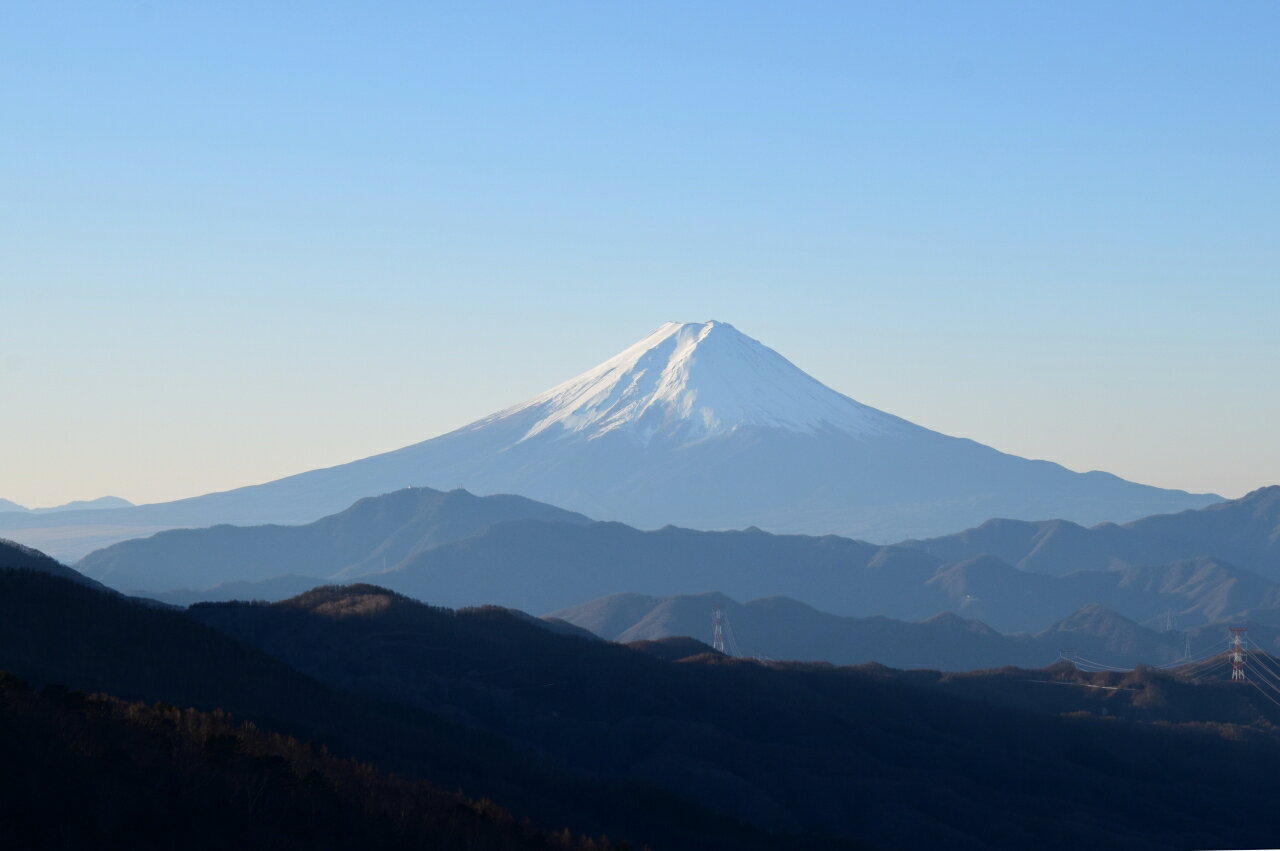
pixel 373 535
pixel 696 425
pixel 838 575
pixel 102 502
pixel 1244 532
pixel 458 549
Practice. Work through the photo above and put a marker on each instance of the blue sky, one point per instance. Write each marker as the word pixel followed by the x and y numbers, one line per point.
pixel 240 240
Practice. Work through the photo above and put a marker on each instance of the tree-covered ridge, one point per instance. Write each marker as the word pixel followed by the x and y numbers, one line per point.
pixel 55 632
pixel 85 771
pixel 683 748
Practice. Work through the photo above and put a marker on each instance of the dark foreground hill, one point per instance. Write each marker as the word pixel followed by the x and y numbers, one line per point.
pixel 56 632
pixel 900 760
pixel 14 556
pixel 684 751
pixel 85 771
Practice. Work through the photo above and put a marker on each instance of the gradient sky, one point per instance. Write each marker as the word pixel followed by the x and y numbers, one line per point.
pixel 242 240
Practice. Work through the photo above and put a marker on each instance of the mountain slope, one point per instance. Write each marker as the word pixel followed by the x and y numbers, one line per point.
pixel 14 556
pixel 898 760
pixel 782 628
pixel 57 633
pixel 539 567
pixel 461 550
pixel 101 502
pixel 696 425
pixel 543 567
pixel 160 777
pixel 704 752
pixel 1244 532
pixel 374 534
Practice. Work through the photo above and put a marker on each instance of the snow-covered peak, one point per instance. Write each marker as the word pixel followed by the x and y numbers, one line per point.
pixel 693 380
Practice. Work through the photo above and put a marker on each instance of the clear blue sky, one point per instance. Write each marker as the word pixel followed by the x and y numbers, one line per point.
pixel 241 240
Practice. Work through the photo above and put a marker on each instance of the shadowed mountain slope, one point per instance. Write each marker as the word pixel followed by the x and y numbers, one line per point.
pixel 1169 596
pixel 839 751
pixel 679 754
pixel 14 556
pixel 1244 532
pixel 53 631
pixel 160 777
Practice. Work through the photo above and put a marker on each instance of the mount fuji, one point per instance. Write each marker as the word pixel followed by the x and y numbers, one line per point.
pixel 696 425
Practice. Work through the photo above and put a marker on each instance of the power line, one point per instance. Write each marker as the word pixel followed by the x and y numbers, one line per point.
pixel 1263 693
pixel 1074 657
pixel 1263 666
pixel 1265 677
pixel 1207 653
pixel 1211 673
pixel 1102 667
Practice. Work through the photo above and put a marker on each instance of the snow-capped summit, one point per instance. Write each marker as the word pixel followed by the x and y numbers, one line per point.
pixel 695 380
pixel 695 425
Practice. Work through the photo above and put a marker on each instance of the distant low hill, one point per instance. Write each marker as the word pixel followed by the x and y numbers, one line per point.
pixel 782 628
pixel 101 503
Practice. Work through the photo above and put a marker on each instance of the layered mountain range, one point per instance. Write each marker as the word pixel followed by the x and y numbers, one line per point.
pixel 696 425
pixel 782 628
pixel 459 549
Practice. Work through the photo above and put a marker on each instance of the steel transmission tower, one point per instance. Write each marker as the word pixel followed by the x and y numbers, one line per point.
pixel 717 630
pixel 1237 652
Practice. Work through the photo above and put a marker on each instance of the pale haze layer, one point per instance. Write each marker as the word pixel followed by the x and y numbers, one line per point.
pixel 239 243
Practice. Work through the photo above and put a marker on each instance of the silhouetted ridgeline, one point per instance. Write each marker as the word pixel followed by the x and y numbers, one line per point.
pixel 14 556
pixel 53 631
pixel 85 771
